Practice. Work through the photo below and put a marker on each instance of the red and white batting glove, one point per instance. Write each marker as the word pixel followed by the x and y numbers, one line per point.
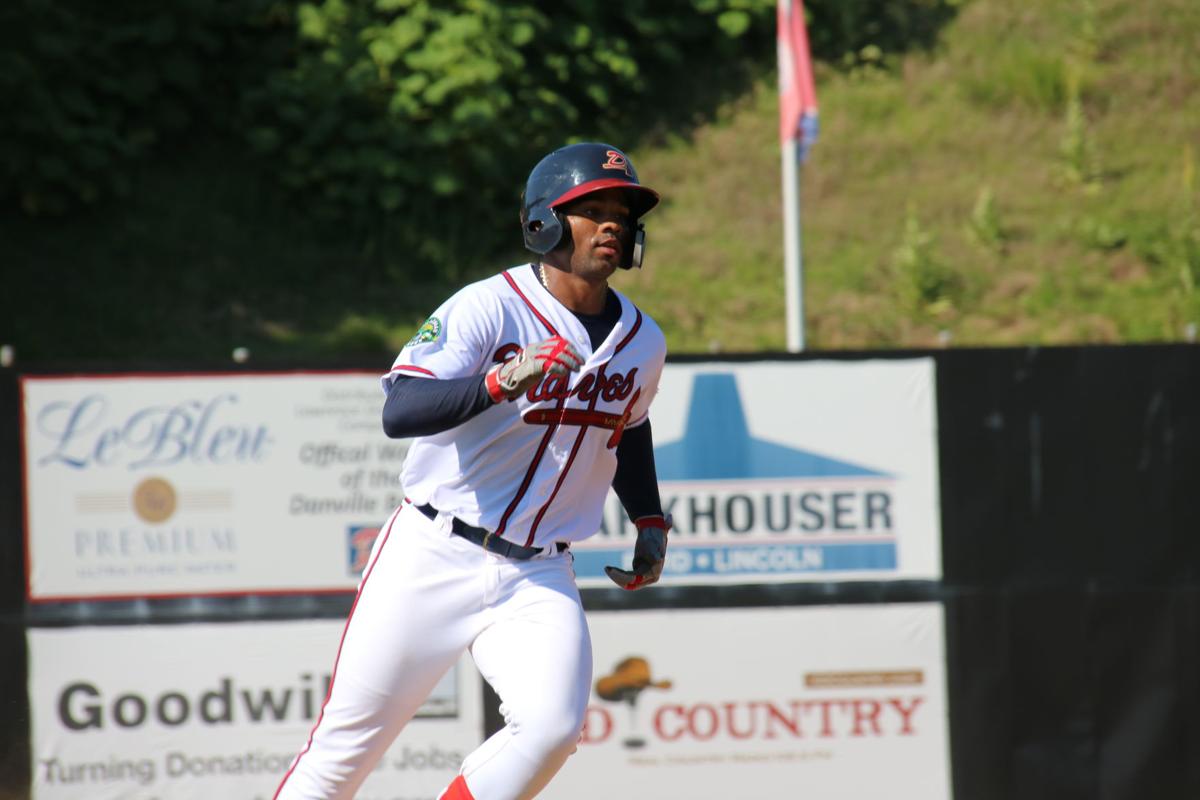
pixel 527 368
pixel 649 554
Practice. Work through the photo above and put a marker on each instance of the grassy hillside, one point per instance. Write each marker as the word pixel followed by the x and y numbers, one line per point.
pixel 1031 180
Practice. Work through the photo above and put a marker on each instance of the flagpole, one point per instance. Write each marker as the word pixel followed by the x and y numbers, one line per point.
pixel 797 132
pixel 793 259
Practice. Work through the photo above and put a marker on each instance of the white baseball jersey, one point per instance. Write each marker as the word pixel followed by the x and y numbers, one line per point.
pixel 534 470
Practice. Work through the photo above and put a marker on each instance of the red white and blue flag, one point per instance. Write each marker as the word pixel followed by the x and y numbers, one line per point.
pixel 797 92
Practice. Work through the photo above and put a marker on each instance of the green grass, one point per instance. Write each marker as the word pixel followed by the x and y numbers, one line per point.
pixel 1078 121
pixel 1030 181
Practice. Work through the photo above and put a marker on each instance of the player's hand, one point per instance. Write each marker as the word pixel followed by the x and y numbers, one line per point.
pixel 554 356
pixel 649 554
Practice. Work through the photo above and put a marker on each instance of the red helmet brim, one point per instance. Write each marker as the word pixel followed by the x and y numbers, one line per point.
pixel 647 197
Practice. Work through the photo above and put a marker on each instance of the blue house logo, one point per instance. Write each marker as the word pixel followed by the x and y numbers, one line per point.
pixel 748 509
pixel 717 444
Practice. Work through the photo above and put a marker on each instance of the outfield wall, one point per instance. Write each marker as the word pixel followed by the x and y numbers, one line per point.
pixel 959 573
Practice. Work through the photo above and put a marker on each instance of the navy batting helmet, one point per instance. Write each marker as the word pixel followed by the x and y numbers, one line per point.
pixel 571 172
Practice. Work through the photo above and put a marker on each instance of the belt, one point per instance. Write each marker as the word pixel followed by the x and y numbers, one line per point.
pixel 486 539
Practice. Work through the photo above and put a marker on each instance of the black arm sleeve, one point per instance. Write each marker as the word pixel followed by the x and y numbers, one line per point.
pixel 424 406
pixel 636 481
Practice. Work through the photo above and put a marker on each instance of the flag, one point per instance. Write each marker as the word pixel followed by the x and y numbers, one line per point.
pixel 797 93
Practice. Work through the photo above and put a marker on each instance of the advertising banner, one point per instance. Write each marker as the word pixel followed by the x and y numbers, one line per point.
pixel 161 485
pixel 790 471
pixel 204 711
pixel 845 701
pixel 152 485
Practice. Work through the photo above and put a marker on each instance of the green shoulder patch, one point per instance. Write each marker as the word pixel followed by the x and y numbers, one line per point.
pixel 429 330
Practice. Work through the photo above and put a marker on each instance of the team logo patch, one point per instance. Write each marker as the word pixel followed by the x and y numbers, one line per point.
pixel 617 160
pixel 430 330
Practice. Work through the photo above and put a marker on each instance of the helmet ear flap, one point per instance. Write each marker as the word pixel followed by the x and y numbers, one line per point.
pixel 543 229
pixel 634 259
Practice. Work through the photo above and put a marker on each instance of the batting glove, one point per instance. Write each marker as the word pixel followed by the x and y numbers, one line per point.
pixel 649 554
pixel 554 356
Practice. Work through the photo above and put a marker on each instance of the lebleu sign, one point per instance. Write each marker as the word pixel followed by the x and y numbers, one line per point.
pixel 160 485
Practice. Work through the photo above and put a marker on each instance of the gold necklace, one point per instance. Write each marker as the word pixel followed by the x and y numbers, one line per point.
pixel 542 275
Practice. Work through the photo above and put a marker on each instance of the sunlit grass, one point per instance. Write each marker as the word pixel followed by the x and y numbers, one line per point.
pixel 1081 120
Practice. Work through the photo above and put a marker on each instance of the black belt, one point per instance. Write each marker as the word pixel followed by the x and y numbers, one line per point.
pixel 486 539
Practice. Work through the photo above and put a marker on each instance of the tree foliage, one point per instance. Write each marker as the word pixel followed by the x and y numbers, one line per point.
pixel 91 88
pixel 415 118
pixel 431 113
pixel 840 31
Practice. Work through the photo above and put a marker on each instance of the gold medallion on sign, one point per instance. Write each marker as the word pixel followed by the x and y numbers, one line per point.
pixel 154 500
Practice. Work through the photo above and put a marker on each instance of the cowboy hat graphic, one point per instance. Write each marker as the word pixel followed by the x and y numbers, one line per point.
pixel 628 680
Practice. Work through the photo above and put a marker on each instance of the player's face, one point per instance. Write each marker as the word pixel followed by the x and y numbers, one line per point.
pixel 601 232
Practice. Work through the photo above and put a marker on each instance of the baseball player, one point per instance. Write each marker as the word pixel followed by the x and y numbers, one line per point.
pixel 528 394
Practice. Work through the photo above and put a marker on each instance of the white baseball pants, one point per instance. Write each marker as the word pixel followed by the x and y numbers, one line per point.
pixel 425 597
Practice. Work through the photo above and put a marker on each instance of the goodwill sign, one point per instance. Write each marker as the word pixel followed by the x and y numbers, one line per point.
pixel 205 711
